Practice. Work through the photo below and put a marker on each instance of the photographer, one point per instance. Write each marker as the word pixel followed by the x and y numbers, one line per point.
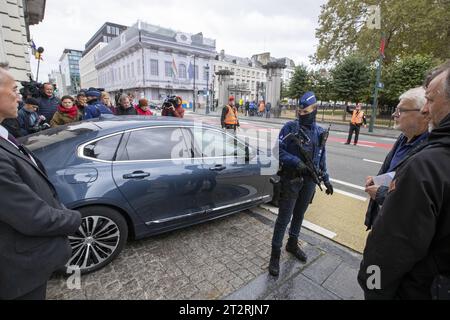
pixel 172 107
pixel 29 119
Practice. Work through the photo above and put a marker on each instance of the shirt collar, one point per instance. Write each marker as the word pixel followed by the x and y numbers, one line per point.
pixel 3 132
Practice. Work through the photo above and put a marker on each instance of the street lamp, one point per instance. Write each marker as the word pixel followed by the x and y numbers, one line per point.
pixel 207 88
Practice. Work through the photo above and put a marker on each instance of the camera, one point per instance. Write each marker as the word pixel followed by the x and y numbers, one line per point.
pixel 170 101
pixel 39 127
pixel 30 89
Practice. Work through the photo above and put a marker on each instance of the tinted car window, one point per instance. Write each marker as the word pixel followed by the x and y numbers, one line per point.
pixel 155 144
pixel 103 149
pixel 214 143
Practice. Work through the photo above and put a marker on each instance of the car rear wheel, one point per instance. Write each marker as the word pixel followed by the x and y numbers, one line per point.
pixel 99 239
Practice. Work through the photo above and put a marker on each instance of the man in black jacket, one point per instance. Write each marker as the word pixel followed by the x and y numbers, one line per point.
pixel 408 247
pixel 414 127
pixel 34 225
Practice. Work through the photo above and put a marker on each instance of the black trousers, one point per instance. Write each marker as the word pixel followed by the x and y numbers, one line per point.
pixel 355 128
pixel 37 294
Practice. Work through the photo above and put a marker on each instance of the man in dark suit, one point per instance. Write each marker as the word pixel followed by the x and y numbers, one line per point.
pixel 34 225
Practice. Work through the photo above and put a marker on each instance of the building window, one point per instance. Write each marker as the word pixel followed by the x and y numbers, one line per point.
pixel 196 72
pixel 128 71
pixel 182 71
pixel 138 66
pixel 168 69
pixel 205 75
pixel 132 70
pixel 124 73
pixel 154 67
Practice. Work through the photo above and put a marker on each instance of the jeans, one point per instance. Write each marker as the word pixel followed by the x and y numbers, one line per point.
pixel 294 200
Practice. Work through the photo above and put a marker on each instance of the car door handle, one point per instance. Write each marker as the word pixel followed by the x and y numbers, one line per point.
pixel 218 167
pixel 136 175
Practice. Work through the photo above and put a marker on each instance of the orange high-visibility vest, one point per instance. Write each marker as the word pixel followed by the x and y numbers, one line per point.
pixel 357 117
pixel 231 116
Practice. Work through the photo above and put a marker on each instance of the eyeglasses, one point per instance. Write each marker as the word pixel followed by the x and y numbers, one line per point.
pixel 399 111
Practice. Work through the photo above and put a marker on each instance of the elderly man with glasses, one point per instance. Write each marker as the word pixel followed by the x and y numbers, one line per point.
pixel 414 127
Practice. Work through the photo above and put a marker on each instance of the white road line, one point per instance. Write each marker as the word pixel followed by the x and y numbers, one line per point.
pixel 351 195
pixel 308 225
pixel 373 161
pixel 388 139
pixel 361 145
pixel 348 184
pixel 363 141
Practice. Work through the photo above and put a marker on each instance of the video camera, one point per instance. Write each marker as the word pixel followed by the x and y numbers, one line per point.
pixel 170 101
pixel 30 89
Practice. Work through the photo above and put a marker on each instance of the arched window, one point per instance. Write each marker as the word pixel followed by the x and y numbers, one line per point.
pixel 182 71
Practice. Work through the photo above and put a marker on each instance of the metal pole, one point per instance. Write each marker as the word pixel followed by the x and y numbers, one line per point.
pixel 377 86
pixel 193 98
pixel 37 73
pixel 207 89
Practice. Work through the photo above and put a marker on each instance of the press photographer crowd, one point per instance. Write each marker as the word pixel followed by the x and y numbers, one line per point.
pixel 40 109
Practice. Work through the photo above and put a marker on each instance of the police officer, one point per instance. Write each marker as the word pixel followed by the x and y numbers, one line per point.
pixel 297 185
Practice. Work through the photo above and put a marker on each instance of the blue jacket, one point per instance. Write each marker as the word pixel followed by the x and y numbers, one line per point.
pixel 48 106
pixel 27 120
pixel 94 109
pixel 289 152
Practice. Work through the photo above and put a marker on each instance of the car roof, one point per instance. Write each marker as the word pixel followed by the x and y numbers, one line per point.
pixel 97 127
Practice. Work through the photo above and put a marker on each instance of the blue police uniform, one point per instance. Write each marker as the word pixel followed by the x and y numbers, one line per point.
pixel 94 108
pixel 297 190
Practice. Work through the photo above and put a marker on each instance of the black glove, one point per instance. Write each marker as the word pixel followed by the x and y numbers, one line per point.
pixel 303 169
pixel 329 187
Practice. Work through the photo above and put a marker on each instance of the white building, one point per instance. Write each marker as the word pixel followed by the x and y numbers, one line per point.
pixel 88 72
pixel 248 80
pixel 153 62
pixel 288 72
pixel 55 77
pixel 15 18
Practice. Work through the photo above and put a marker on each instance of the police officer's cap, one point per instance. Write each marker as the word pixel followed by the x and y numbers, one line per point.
pixel 309 98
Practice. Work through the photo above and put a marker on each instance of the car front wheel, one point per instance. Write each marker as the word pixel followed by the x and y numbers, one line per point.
pixel 99 239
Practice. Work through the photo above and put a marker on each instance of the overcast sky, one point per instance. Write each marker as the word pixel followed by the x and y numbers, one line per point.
pixel 285 28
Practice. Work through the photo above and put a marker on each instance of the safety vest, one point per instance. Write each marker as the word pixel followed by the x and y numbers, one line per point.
pixel 231 116
pixel 357 117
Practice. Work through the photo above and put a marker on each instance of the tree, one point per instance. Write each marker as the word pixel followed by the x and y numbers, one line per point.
pixel 351 79
pixel 322 85
pixel 300 82
pixel 410 27
pixel 405 74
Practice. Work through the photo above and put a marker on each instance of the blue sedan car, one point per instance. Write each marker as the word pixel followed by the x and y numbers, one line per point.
pixel 133 177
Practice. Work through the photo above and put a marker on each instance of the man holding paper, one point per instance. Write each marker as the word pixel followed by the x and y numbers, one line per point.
pixel 414 127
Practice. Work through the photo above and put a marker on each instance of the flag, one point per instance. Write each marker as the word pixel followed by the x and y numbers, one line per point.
pixel 191 71
pixel 174 68
pixel 33 48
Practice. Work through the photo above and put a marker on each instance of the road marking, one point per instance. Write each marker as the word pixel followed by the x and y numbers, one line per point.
pixel 351 195
pixel 361 145
pixel 388 139
pixel 348 184
pixel 308 225
pixel 373 161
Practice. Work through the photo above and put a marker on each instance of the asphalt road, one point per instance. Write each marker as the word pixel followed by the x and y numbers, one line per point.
pixel 340 217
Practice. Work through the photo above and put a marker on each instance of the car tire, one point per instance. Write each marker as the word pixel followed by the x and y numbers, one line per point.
pixel 99 240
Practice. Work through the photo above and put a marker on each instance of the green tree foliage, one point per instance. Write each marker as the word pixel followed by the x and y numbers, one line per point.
pixel 322 85
pixel 300 82
pixel 405 74
pixel 410 27
pixel 351 79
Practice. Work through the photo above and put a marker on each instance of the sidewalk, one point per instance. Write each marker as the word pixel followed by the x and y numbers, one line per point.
pixel 330 273
pixel 378 132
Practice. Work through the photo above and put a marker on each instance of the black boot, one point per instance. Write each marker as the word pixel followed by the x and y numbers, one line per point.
pixel 292 247
pixel 274 264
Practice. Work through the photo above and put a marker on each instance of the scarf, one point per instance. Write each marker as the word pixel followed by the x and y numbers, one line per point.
pixel 71 112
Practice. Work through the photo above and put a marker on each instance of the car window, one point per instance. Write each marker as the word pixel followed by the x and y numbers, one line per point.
pixel 103 149
pixel 213 143
pixel 155 144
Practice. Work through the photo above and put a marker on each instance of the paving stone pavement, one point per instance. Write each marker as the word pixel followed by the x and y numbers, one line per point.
pixel 223 259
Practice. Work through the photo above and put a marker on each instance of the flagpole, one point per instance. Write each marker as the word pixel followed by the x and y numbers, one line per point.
pixel 377 86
